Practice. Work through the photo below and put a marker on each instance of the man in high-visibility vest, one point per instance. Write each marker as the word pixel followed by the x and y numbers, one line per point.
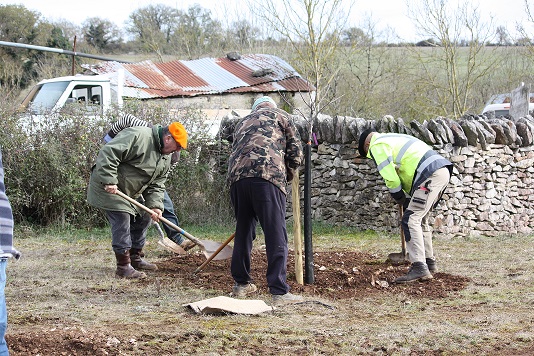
pixel 416 177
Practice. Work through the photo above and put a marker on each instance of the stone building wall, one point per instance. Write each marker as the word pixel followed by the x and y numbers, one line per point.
pixel 490 192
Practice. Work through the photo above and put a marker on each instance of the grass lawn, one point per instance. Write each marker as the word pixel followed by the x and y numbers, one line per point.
pixel 63 299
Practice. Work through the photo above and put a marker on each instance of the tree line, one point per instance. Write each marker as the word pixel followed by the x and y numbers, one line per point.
pixel 358 71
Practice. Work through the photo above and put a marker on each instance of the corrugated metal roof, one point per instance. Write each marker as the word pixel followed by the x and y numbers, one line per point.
pixel 205 76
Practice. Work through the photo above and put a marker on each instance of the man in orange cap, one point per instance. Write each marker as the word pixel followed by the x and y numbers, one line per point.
pixel 135 162
pixel 127 120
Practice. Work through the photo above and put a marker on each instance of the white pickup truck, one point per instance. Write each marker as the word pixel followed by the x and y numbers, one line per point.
pixel 93 95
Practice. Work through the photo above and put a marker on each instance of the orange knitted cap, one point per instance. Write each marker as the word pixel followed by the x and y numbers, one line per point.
pixel 179 134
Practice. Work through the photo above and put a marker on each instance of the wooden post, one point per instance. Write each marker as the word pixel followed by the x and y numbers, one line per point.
pixel 297 240
pixel 73 70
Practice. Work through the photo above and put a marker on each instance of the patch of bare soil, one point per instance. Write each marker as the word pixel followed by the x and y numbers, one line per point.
pixel 338 275
pixel 61 341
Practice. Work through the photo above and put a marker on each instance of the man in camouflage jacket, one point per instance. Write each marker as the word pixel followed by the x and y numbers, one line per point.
pixel 266 152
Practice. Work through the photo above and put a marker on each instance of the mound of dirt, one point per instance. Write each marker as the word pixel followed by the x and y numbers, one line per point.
pixel 338 275
pixel 62 341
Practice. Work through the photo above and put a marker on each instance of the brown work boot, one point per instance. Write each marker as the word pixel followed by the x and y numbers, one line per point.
pixel 242 290
pixel 124 268
pixel 137 261
pixel 418 272
pixel 284 299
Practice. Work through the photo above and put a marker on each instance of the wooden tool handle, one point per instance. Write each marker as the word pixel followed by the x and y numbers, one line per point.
pixel 175 227
pixel 403 240
pixel 223 245
pixel 297 239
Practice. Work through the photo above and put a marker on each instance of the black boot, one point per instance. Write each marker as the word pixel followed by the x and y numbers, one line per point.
pixel 138 262
pixel 418 272
pixel 432 265
pixel 124 268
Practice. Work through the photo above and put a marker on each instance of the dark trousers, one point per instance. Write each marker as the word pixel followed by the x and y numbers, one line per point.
pixel 169 214
pixel 255 199
pixel 127 231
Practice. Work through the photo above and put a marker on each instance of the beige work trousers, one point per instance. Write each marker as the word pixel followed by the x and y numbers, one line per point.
pixel 417 231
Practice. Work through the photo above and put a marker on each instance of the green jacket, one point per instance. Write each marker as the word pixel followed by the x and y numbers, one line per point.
pixel 133 161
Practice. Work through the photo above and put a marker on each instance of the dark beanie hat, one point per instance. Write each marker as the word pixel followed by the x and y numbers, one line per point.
pixel 361 141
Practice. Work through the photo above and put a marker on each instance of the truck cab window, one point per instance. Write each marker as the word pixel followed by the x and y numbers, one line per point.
pixel 45 98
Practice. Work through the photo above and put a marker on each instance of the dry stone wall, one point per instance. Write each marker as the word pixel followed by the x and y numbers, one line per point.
pixel 490 192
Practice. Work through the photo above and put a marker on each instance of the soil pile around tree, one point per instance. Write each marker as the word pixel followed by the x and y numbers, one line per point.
pixel 338 275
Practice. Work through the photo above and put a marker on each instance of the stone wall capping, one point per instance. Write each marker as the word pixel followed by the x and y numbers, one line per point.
pixel 490 192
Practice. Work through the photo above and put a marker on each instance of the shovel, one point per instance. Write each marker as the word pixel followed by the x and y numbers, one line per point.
pixel 167 243
pixel 201 267
pixel 399 258
pixel 207 247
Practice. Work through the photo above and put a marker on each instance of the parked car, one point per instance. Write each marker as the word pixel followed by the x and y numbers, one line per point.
pixel 500 104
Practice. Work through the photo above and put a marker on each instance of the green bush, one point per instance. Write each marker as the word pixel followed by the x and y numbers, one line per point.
pixel 47 166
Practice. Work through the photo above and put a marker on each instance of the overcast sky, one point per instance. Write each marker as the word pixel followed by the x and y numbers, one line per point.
pixel 384 13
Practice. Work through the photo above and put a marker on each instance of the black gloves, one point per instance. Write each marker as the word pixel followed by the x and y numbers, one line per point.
pixel 399 197
pixel 289 176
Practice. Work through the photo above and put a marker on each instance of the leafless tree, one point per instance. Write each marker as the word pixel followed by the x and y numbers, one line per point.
pixel 447 72
pixel 313 29
pixel 101 33
pixel 503 38
pixel 527 39
pixel 197 31
pixel 154 26
pixel 371 71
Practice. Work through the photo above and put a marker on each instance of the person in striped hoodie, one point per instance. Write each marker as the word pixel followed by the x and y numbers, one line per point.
pixel 416 177
pixel 6 251
pixel 129 120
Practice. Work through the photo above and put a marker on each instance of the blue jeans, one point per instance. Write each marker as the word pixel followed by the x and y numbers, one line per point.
pixel 3 309
pixel 168 213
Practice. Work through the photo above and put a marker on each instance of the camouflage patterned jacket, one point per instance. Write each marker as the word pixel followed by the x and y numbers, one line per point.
pixel 265 145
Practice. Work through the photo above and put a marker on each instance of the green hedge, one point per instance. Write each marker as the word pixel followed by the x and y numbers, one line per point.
pixel 47 167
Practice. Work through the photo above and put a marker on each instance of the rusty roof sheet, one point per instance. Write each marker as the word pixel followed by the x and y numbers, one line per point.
pixel 147 80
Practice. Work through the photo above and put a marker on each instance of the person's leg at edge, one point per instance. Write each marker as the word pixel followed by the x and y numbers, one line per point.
pixel 245 231
pixel 3 308
pixel 270 206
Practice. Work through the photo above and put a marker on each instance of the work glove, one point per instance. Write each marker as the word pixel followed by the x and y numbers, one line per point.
pixel 399 197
